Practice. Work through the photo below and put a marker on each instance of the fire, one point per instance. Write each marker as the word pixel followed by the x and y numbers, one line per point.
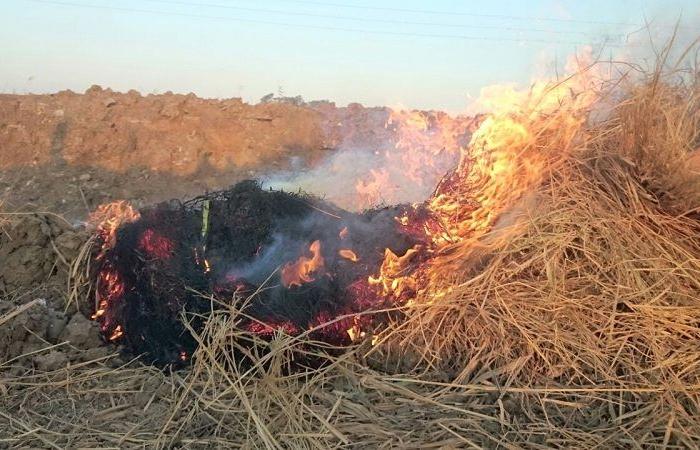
pixel 424 141
pixel 110 286
pixel 155 245
pixel 425 146
pixel 394 275
pixel 304 269
pixel 108 217
pixel 348 254
pixel 355 333
pixel 118 332
pixel 372 191
pixel 492 174
pixel 503 162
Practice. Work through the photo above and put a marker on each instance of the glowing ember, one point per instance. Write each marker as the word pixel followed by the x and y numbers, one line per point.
pixel 155 245
pixel 155 267
pixel 270 328
pixel 304 269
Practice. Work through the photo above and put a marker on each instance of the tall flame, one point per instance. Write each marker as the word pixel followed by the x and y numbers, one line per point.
pixel 505 160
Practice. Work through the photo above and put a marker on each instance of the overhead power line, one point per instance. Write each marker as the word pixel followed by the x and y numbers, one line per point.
pixel 370 19
pixel 457 13
pixel 314 27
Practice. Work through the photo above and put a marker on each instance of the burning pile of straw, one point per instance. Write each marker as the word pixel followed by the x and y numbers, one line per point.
pixel 569 315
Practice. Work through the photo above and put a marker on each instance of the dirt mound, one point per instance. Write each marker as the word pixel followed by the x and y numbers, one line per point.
pixel 174 133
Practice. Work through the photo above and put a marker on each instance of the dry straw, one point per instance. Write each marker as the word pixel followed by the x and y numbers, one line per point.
pixel 578 325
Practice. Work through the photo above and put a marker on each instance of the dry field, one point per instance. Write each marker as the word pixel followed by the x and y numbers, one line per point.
pixel 562 309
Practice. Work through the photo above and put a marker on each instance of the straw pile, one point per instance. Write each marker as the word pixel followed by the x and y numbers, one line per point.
pixel 576 325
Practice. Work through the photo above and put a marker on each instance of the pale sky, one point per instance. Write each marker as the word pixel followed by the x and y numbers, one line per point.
pixel 411 53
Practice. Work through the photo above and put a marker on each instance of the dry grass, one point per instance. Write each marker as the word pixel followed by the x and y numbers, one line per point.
pixel 578 327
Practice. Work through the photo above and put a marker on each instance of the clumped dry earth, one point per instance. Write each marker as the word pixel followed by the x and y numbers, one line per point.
pixel 36 251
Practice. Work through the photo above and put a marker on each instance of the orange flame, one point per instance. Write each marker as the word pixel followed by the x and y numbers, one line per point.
pixel 108 217
pixel 422 139
pixel 348 254
pixel 118 332
pixel 503 163
pixel 303 269
pixel 427 145
pixel 110 286
pixel 393 275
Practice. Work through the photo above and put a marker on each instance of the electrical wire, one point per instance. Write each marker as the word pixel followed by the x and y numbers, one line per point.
pixel 519 40
pixel 369 19
pixel 458 13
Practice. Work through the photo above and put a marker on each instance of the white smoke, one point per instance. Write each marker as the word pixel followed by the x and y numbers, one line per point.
pixel 404 168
